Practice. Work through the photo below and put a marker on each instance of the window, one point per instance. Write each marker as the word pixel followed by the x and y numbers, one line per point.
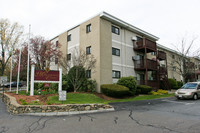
pixel 68 56
pixel 116 51
pixel 174 68
pixel 173 56
pixel 88 73
pixel 88 28
pixel 69 38
pixel 56 43
pixel 88 50
pixel 115 30
pixel 153 53
pixel 116 74
pixel 56 60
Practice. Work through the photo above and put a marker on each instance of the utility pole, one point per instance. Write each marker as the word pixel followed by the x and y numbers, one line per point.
pixel 27 85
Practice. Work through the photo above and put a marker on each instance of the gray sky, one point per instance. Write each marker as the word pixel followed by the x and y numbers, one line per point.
pixel 169 20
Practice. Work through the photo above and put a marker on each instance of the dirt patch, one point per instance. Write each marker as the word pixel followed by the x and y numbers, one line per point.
pixel 29 99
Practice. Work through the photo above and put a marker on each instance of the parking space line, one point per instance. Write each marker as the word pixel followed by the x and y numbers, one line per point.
pixel 177 102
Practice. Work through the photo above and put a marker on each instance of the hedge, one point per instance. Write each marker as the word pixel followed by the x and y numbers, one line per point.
pixel 115 90
pixel 173 83
pixel 129 82
pixel 144 89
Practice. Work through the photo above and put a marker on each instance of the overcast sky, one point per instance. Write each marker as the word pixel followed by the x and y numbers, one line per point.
pixel 169 20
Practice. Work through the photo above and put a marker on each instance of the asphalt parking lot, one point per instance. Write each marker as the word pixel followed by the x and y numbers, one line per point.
pixel 151 116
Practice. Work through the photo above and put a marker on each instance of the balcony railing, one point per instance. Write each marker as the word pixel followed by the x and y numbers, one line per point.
pixel 162 70
pixel 161 55
pixel 150 45
pixel 151 64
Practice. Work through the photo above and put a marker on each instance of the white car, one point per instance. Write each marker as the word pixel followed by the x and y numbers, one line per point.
pixel 190 90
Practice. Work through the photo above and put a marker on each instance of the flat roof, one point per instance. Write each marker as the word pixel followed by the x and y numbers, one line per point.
pixel 118 22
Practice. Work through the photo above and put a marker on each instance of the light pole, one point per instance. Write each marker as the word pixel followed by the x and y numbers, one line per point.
pixel 27 85
pixel 19 69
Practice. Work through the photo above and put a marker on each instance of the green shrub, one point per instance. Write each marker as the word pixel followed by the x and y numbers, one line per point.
pixel 23 102
pixel 115 90
pixel 54 86
pixel 173 83
pixel 144 89
pixel 179 84
pixel 66 84
pixel 41 86
pixel 77 77
pixel 89 86
pixel 138 91
pixel 129 82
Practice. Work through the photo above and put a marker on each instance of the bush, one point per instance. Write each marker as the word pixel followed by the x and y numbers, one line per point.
pixel 179 84
pixel 129 82
pixel 144 89
pixel 173 83
pixel 89 86
pixel 77 76
pixel 115 90
pixel 159 92
pixel 66 84
pixel 54 86
pixel 162 91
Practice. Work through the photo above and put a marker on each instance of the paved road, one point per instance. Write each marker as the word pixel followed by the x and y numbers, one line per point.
pixel 153 116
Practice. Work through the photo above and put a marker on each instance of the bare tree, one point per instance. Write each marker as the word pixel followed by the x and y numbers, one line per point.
pixel 77 65
pixel 10 35
pixel 183 64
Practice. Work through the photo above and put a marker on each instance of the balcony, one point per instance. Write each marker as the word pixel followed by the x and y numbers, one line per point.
pixel 152 83
pixel 162 70
pixel 161 55
pixel 140 65
pixel 140 46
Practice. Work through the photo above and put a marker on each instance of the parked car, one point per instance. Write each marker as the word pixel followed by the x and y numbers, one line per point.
pixel 13 84
pixel 188 91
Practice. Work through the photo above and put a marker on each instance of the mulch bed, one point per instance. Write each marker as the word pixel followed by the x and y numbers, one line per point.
pixel 40 98
pixel 43 98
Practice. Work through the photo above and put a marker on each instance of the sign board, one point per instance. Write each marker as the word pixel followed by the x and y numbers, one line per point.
pixel 42 75
pixel 45 76
pixel 62 95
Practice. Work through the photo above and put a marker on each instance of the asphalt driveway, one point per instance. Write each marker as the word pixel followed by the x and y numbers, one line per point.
pixel 152 116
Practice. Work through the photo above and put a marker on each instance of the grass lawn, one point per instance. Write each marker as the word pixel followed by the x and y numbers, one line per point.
pixel 83 98
pixel 77 98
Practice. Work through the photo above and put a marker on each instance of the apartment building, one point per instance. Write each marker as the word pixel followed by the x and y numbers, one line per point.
pixel 173 67
pixel 120 49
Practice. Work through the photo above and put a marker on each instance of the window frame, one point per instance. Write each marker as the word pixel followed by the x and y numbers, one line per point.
pixel 88 28
pixel 56 60
pixel 69 57
pixel 57 44
pixel 115 30
pixel 116 74
pixel 88 48
pixel 114 51
pixel 88 74
pixel 69 37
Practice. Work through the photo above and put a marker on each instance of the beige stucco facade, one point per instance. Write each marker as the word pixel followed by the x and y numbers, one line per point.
pixel 101 39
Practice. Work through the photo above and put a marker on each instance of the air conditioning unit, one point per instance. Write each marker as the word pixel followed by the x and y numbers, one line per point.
pixel 137 57
pixel 134 38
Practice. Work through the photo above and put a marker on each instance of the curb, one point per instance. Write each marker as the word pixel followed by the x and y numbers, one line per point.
pixel 68 113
